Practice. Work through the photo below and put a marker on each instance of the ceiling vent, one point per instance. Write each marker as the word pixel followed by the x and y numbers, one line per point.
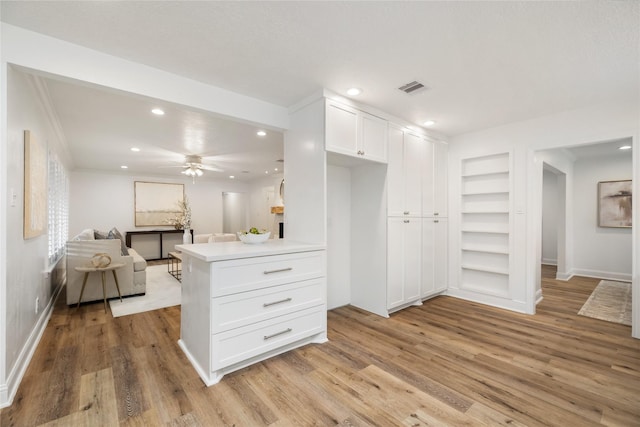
pixel 413 88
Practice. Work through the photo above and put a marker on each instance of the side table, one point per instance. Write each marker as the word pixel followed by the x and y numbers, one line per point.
pixel 111 267
pixel 173 265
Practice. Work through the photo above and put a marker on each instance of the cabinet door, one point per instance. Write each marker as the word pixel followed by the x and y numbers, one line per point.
pixel 434 256
pixel 403 261
pixel 441 254
pixel 341 129
pixel 440 164
pixel 395 173
pixel 413 170
pixel 428 257
pixel 373 138
pixel 428 182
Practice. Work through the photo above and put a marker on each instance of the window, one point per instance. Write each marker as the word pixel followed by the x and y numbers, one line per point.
pixel 58 209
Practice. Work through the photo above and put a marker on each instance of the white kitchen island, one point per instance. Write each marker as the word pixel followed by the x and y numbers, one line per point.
pixel 245 303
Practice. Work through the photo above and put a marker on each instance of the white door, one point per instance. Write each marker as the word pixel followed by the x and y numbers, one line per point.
pixel 341 129
pixel 373 138
pixel 395 173
pixel 413 168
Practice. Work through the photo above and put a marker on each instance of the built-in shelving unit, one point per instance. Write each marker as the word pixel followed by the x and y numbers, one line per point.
pixel 485 224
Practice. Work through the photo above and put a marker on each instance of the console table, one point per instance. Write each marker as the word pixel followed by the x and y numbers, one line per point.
pixel 161 246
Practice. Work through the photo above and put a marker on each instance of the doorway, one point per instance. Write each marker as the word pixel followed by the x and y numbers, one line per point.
pixel 234 212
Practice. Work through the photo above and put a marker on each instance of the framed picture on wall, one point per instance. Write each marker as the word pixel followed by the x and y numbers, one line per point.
pixel 156 202
pixel 614 204
pixel 35 186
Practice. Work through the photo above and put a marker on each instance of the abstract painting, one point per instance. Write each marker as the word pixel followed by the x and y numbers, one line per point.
pixel 35 187
pixel 156 202
pixel 614 204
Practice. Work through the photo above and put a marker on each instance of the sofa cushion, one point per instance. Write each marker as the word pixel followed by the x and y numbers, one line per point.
pixel 139 263
pixel 115 234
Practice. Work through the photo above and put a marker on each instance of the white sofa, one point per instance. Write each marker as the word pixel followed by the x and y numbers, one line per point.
pixel 214 237
pixel 132 278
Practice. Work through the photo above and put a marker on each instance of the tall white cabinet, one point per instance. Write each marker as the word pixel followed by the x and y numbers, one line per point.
pixel 417 226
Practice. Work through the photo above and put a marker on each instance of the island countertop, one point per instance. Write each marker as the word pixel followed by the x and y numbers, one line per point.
pixel 221 251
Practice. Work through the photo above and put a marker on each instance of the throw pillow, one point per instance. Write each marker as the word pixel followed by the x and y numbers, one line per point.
pixel 97 234
pixel 86 234
pixel 115 234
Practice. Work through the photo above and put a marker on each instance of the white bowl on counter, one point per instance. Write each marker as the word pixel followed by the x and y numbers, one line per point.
pixel 253 239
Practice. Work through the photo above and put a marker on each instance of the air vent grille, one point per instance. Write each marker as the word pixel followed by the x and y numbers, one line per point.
pixel 413 88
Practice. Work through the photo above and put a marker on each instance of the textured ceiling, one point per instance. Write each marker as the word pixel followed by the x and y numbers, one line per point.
pixel 485 63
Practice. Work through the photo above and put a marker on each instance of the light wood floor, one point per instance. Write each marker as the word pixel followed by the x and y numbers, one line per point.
pixel 448 362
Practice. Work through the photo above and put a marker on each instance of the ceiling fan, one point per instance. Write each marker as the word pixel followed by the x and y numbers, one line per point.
pixel 194 167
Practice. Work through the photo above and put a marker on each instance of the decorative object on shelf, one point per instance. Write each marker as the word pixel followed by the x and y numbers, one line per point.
pixel 35 187
pixel 182 219
pixel 186 237
pixel 100 260
pixel 155 202
pixel 282 191
pixel 614 204
pixel 277 209
pixel 253 236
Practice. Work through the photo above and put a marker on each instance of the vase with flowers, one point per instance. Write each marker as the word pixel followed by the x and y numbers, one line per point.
pixel 182 219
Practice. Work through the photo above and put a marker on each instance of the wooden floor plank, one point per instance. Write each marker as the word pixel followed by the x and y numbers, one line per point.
pixel 447 362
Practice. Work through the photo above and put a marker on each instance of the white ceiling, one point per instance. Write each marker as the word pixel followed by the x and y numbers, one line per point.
pixel 485 63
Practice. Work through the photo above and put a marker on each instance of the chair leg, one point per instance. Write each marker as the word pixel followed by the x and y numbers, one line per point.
pixel 115 277
pixel 84 283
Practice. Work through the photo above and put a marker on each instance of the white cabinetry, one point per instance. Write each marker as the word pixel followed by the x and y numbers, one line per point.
pixel 434 256
pixel 434 180
pixel 417 218
pixel 404 173
pixel 239 309
pixel 403 261
pixel 355 133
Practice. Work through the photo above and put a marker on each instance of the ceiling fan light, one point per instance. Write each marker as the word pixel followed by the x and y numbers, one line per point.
pixel 198 172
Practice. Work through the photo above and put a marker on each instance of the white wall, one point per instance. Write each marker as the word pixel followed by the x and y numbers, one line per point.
pixel 598 251
pixel 264 193
pixel 549 218
pixel 102 201
pixel 24 268
pixel 605 122
pixel 338 236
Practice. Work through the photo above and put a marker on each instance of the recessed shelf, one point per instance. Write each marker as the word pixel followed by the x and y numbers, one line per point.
pixel 487 211
pixel 481 193
pixel 494 270
pixel 478 230
pixel 475 287
pixel 486 249
pixel 485 174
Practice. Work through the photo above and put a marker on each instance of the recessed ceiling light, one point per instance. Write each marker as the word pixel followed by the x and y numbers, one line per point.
pixel 261 133
pixel 625 147
pixel 136 149
pixel 124 167
pixel 354 91
pixel 275 169
pixel 157 112
pixel 231 177
pixel 266 172
pixel 429 123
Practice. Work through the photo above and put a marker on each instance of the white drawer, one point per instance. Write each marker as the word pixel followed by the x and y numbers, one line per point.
pixel 238 345
pixel 235 310
pixel 242 275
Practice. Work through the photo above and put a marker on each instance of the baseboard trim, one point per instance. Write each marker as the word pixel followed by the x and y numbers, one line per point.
pixel 564 275
pixel 549 261
pixel 10 388
pixel 539 297
pixel 606 275
pixel 494 301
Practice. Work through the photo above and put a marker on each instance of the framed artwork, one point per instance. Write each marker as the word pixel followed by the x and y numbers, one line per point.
pixel 156 202
pixel 614 204
pixel 35 187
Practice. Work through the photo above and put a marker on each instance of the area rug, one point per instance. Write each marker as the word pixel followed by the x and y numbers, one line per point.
pixel 610 301
pixel 163 290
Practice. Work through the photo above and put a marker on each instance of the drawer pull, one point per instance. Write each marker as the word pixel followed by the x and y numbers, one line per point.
pixel 277 271
pixel 267 304
pixel 268 337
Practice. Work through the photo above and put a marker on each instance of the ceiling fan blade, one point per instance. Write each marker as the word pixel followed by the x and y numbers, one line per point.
pixel 211 168
pixel 174 166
